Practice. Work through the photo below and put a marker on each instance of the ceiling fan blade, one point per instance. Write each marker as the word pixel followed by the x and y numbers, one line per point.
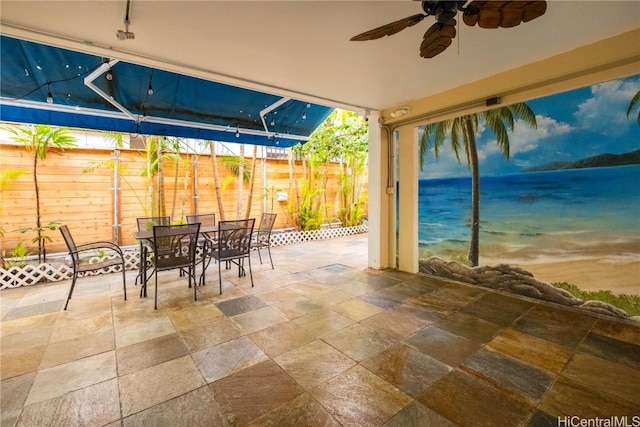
pixel 502 14
pixel 389 29
pixel 437 38
pixel 511 17
pixel 533 10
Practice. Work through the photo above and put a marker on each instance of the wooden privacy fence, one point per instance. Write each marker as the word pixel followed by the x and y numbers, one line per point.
pixel 104 205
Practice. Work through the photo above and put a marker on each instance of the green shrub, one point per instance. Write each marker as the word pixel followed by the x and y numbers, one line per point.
pixel 628 303
pixel 19 253
pixel 460 258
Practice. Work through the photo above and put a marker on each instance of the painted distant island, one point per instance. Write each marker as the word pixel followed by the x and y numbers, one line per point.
pixel 603 160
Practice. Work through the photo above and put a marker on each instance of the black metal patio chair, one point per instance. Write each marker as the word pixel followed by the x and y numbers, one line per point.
pixel 262 235
pixel 174 247
pixel 234 246
pixel 84 264
pixel 207 241
pixel 146 224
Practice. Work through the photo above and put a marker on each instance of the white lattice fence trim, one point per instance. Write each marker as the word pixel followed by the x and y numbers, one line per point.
pixel 31 274
pixel 281 238
pixel 60 266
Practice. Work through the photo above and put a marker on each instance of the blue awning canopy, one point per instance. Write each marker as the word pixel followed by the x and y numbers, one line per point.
pixel 50 85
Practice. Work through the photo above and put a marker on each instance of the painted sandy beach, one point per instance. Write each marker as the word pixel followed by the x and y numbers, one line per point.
pixel 600 266
pixel 580 226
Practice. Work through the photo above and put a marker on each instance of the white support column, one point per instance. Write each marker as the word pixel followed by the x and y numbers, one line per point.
pixel 379 230
pixel 408 209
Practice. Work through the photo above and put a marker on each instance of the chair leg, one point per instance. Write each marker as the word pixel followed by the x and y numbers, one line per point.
pixel 143 289
pixel 143 284
pixel 241 272
pixel 259 256
pixel 155 299
pixel 205 265
pixel 124 281
pixel 270 259
pixel 73 284
pixel 204 268
pixel 220 275
pixel 195 292
pixel 250 273
pixel 142 264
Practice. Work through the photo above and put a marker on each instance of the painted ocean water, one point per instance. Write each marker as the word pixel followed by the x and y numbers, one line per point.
pixel 538 214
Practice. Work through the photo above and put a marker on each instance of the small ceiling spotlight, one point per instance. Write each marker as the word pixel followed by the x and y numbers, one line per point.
pixel 400 112
pixel 273 122
pixel 126 34
pixel 109 75
pixel 238 132
pixel 150 89
pixel 49 95
pixel 308 105
pixel 304 116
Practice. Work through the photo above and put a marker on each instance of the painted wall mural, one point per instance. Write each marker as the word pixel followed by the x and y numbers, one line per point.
pixel 565 206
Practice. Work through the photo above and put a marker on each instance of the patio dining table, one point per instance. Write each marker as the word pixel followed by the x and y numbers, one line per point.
pixel 208 231
pixel 147 235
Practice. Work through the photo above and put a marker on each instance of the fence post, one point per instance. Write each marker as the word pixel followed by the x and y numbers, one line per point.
pixel 195 185
pixel 116 196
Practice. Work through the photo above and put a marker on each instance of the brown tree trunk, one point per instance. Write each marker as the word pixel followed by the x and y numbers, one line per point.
pixel 294 185
pixel 240 182
pixel 175 187
pixel 216 180
pixel 162 209
pixel 474 243
pixel 252 177
pixel 42 255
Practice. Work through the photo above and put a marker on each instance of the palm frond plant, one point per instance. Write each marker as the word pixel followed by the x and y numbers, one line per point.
pixel 40 140
pixel 632 104
pixel 461 133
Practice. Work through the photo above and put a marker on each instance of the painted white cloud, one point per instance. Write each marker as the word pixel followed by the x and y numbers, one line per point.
pixel 606 111
pixel 524 139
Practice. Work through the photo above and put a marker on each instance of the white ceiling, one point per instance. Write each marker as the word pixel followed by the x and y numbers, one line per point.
pixel 303 47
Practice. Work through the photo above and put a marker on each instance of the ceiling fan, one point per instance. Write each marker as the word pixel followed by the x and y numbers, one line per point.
pixel 485 13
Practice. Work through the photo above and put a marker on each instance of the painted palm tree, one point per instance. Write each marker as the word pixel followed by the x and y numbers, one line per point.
pixel 462 134
pixel 635 100
pixel 39 139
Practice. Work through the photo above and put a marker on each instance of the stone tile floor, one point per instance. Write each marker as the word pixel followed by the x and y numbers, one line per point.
pixel 319 341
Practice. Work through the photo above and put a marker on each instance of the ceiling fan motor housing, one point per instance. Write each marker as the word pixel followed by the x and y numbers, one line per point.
pixel 443 10
pixel 483 13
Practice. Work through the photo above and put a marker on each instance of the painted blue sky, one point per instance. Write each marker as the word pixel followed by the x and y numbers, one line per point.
pixel 571 126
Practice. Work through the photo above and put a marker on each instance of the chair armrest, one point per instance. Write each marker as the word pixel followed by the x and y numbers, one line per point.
pixel 99 245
